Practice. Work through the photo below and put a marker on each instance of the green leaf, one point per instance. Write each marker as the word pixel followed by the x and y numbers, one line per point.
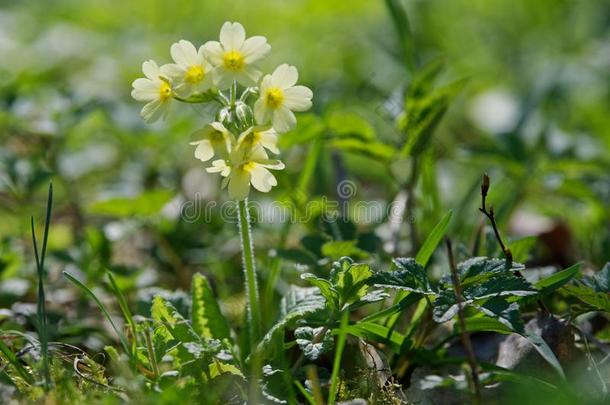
pixel 326 289
pixel 521 248
pixel 592 290
pixel 206 317
pixel 483 324
pixel 378 333
pixel 501 285
pixel 349 123
pixel 146 204
pixel 168 317
pixel 408 275
pixel 548 285
pixel 374 150
pixel 479 269
pixel 422 115
pixel 432 241
pixel 506 313
pixel 297 304
pixel 311 345
pixel 350 280
pixel 341 248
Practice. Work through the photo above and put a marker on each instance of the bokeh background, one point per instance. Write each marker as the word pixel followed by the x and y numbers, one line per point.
pixel 533 114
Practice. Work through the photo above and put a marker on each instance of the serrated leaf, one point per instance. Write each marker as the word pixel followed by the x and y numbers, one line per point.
pixel 408 275
pixel 297 304
pixel 310 344
pixel 350 280
pixel 166 316
pixel 479 269
pixel 208 321
pixel 326 289
pixel 501 285
pixel 506 313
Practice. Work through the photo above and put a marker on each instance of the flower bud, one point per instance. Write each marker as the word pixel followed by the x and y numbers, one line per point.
pixel 224 115
pixel 244 114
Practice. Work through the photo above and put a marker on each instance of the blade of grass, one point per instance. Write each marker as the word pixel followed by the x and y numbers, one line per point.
pixel 304 392
pixel 432 241
pixel 334 378
pixel 126 312
pixel 41 311
pixel 102 307
pixel 12 359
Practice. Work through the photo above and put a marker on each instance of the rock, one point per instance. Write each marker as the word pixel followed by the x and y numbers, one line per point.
pixel 517 353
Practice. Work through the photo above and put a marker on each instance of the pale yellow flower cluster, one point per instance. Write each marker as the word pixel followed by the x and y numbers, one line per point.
pixel 242 135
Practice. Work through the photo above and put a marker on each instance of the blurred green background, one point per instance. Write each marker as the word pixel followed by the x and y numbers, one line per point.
pixel 533 114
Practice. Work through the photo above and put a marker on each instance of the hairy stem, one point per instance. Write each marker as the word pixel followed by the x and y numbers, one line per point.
pixel 245 232
pixel 472 361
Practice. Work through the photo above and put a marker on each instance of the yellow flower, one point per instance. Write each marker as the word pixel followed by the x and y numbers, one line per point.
pixel 191 72
pixel 245 168
pixel 234 57
pixel 155 88
pixel 214 138
pixel 279 97
pixel 264 136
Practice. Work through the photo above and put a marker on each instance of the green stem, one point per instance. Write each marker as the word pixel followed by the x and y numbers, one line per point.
pixel 254 315
pixel 334 378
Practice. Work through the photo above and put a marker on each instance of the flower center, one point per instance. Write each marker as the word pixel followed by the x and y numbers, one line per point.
pixel 274 97
pixel 234 60
pixel 165 90
pixel 249 166
pixel 194 74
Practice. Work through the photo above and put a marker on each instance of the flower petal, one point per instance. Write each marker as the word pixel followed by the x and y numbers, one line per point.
pixel 232 35
pixel 151 69
pixel 255 48
pixel 262 179
pixel 283 119
pixel 284 76
pixel 269 141
pixel 298 98
pixel 184 53
pixel 249 76
pixel 212 50
pixel 261 113
pixel 145 90
pixel 204 150
pixel 154 110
